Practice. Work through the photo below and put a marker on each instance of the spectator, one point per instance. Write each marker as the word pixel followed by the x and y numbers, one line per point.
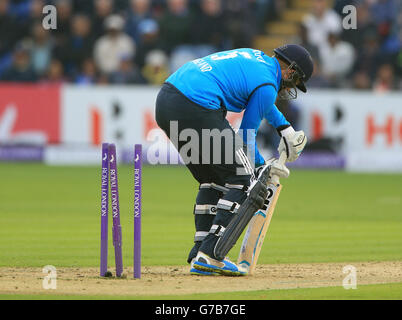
pixel 64 14
pixel 128 73
pixel 340 4
pixel 337 59
pixel 83 7
pixel 369 56
pixel 361 81
pixel 111 47
pixel 20 8
pixel 8 28
pixel 148 31
pixel 21 69
pixel 209 27
pixel 239 23
pixel 384 12
pixel 385 79
pixel 23 26
pixel 320 22
pixel 88 73
pixel 398 58
pixel 79 46
pixel 41 52
pixel 139 11
pixel 302 39
pixel 55 73
pixel 317 79
pixel 181 55
pixel 156 69
pixel 175 24
pixel 365 25
pixel 265 10
pixel 398 21
pixel 103 9
pixel 102 79
pixel 184 36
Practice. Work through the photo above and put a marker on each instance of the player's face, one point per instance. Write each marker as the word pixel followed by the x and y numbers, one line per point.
pixel 288 74
pixel 288 85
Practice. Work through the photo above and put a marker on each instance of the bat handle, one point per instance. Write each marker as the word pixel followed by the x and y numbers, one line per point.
pixel 282 160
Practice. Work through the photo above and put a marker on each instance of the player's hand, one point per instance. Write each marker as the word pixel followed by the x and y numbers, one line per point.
pixel 293 144
pixel 258 169
pixel 277 169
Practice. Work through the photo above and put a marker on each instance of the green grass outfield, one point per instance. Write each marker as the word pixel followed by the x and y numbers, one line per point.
pixel 390 291
pixel 51 215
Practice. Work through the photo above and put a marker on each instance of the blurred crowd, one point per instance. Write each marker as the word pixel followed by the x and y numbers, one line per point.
pixel 369 57
pixel 143 41
pixel 120 41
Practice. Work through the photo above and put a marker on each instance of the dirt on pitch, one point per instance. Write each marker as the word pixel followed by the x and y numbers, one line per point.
pixel 176 280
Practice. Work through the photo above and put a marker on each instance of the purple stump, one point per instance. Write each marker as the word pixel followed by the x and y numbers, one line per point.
pixel 137 209
pixel 104 208
pixel 114 193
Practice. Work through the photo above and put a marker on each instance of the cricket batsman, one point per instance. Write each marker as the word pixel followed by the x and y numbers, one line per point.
pixel 197 97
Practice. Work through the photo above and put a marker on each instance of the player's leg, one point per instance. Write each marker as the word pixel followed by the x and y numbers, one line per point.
pixel 232 172
pixel 204 214
pixel 227 207
pixel 173 106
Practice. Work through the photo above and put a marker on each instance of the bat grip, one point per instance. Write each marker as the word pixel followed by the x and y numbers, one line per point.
pixel 282 160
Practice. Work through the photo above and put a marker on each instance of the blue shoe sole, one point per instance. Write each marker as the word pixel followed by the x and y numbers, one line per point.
pixel 209 268
pixel 197 272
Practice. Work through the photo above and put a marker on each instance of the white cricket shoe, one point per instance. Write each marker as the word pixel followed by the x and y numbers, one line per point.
pixel 205 263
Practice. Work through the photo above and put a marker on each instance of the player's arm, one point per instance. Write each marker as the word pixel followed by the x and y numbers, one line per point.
pixel 292 142
pixel 253 115
pixel 261 105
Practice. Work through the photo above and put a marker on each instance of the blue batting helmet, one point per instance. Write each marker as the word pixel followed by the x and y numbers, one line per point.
pixel 301 60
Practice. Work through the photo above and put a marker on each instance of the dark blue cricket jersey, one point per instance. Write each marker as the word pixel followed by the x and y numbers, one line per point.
pixel 241 79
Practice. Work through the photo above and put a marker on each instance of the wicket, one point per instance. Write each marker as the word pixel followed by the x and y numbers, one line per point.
pixel 104 209
pixel 109 175
pixel 137 210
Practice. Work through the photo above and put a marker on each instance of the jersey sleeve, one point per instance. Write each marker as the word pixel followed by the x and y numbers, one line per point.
pixel 261 105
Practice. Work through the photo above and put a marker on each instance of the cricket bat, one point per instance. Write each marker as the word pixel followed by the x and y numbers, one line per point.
pixel 258 226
